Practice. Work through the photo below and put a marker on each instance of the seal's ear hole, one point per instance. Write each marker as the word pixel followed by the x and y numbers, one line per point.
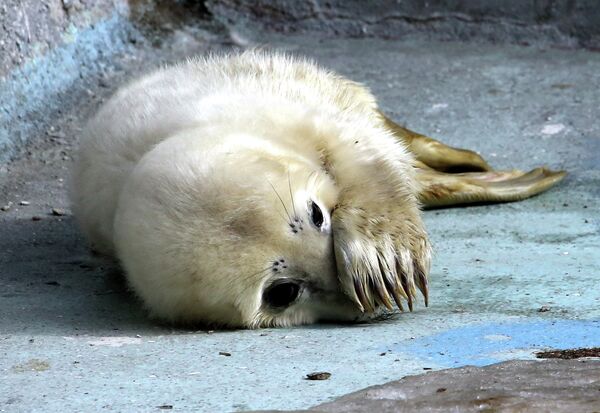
pixel 281 293
pixel 316 215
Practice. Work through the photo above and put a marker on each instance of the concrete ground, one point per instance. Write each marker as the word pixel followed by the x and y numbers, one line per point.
pixel 507 280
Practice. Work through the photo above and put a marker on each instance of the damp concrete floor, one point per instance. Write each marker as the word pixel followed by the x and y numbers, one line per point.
pixel 507 280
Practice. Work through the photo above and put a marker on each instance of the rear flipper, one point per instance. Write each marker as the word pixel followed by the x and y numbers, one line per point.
pixel 435 154
pixel 441 189
pixel 451 176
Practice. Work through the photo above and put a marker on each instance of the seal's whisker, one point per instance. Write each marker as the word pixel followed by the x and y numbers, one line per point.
pixel 282 203
pixel 282 217
pixel 249 276
pixel 291 195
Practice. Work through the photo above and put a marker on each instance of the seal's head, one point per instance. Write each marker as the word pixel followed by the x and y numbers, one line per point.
pixel 234 228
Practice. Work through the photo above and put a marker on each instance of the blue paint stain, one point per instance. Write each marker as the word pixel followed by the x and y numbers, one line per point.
pixel 484 344
pixel 35 88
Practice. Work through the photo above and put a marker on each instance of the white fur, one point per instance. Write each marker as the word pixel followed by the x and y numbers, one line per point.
pixel 190 174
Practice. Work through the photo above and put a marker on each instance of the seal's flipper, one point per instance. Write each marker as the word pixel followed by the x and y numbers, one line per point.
pixel 435 154
pixel 441 189
pixel 451 176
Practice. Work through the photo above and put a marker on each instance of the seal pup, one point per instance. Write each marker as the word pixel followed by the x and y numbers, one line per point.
pixel 259 189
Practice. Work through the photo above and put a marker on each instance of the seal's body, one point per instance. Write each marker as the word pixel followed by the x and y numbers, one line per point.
pixel 255 190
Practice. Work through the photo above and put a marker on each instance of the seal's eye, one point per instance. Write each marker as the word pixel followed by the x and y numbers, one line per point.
pixel 316 214
pixel 281 294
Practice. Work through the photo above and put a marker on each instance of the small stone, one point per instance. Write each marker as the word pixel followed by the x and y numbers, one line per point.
pixel 543 309
pixel 441 390
pixel 224 353
pixel 35 365
pixel 561 86
pixel 165 407
pixel 36 218
pixel 6 207
pixel 56 135
pixel 553 129
pixel 24 203
pixel 318 375
pixel 58 212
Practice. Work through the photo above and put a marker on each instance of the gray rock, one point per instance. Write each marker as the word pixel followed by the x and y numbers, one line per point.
pixel 512 386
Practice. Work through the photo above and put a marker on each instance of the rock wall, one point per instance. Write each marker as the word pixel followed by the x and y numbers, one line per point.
pixel 565 23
